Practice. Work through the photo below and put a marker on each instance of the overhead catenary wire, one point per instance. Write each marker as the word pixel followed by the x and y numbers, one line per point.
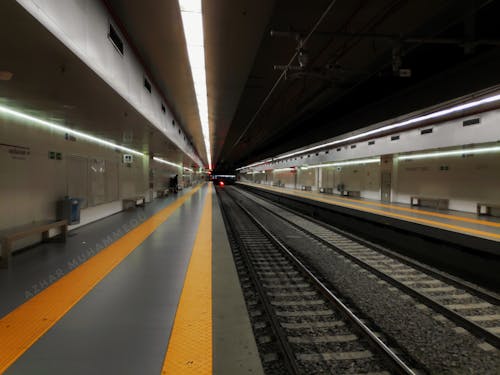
pixel 283 73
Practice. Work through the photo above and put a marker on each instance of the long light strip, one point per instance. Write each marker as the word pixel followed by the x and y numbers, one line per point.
pixel 469 151
pixel 255 164
pixel 160 160
pixel 64 129
pixel 81 135
pixel 342 163
pixel 337 164
pixel 192 21
pixel 283 169
pixel 415 120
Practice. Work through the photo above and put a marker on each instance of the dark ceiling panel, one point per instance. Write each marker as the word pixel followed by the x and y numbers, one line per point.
pixel 233 32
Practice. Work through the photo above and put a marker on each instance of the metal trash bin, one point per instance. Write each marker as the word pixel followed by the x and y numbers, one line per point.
pixel 69 209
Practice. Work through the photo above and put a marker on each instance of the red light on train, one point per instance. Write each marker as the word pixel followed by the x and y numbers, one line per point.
pixel 221 183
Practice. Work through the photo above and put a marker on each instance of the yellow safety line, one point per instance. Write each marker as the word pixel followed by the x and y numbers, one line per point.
pixel 401 216
pixel 22 327
pixel 338 200
pixel 190 347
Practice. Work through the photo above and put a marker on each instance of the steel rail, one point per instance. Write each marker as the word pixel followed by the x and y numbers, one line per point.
pixel 397 364
pixel 469 287
pixel 459 319
pixel 289 357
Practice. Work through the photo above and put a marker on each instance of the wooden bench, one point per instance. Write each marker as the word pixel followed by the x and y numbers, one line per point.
pixel 306 188
pixel 438 203
pixel 486 208
pixel 327 190
pixel 351 193
pixel 162 193
pixel 134 202
pixel 9 236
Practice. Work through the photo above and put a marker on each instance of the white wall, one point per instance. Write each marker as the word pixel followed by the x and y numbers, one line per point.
pixel 31 183
pixel 83 26
pixel 464 181
pixel 467 181
pixel 307 178
pixel 285 178
pixel 362 178
pixel 446 134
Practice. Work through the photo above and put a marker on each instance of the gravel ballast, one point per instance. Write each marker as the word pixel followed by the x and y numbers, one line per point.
pixel 430 339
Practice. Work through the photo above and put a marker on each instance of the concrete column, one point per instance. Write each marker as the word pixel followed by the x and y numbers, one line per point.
pixel 386 166
pixel 319 178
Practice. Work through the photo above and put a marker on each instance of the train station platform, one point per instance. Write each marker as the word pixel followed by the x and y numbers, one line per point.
pixel 145 291
pixel 478 232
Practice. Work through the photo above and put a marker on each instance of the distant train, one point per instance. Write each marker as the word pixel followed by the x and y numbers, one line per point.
pixel 223 179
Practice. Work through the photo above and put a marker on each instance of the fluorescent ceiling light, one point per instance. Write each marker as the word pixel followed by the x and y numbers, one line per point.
pixel 160 160
pixel 192 21
pixel 342 163
pixel 469 151
pixel 255 164
pixel 397 125
pixel 283 169
pixel 64 129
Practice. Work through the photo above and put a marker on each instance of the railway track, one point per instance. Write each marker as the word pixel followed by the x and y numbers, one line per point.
pixel 314 330
pixel 472 308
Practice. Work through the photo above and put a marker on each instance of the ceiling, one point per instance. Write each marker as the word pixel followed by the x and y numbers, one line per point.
pixel 347 83
pixel 154 30
pixel 233 30
pixel 451 47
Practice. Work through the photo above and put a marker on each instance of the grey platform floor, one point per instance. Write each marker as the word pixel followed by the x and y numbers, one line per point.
pixel 123 324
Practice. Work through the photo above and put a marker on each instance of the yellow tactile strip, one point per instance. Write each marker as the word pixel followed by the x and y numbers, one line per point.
pixel 22 327
pixel 356 205
pixel 190 347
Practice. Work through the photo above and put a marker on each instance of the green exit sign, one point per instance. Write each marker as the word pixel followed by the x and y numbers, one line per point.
pixel 55 155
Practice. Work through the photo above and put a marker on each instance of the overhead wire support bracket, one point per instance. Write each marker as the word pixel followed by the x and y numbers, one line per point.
pixel 283 74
